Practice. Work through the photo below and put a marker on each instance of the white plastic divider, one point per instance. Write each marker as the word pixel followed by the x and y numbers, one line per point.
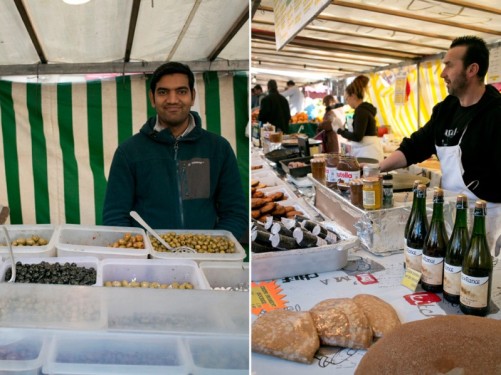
pixel 80 240
pixel 163 271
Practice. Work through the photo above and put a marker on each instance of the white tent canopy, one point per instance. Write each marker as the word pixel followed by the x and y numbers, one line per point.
pixel 351 37
pixel 120 36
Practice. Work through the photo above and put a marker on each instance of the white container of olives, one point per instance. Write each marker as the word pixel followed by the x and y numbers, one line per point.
pixel 37 240
pixel 152 273
pixel 211 245
pixel 102 241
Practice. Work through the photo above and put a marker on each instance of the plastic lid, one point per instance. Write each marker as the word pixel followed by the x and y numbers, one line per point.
pixel 387 176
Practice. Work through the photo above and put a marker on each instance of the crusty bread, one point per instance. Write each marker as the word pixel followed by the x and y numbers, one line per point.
pixel 381 315
pixel 440 345
pixel 340 322
pixel 286 334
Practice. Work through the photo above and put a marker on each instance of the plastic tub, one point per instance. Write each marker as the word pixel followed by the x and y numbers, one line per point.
pixel 226 275
pixel 87 262
pixel 46 231
pixel 108 353
pixel 43 306
pixel 21 353
pixel 219 355
pixel 80 240
pixel 237 256
pixel 162 271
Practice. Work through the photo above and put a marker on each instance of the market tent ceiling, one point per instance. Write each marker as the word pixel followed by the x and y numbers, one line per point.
pixel 350 37
pixel 122 36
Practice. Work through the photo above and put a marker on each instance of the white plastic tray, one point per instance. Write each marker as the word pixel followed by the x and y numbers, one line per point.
pixel 88 262
pixel 278 264
pixel 237 256
pixel 81 240
pixel 153 270
pixel 22 352
pixel 219 355
pixel 226 274
pixel 108 353
pixel 47 231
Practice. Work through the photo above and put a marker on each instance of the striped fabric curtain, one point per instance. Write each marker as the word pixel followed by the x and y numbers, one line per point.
pixel 57 140
pixel 403 119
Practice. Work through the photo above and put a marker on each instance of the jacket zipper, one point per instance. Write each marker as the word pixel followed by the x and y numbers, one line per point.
pixel 179 179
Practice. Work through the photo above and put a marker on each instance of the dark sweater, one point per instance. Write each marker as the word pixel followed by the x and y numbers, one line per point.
pixel 480 145
pixel 364 123
pixel 189 183
pixel 275 110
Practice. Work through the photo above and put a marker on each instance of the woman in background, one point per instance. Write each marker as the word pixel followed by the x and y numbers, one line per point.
pixel 326 130
pixel 362 131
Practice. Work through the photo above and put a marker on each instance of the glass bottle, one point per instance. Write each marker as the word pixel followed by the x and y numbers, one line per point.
pixel 458 244
pixel 412 213
pixel 476 275
pixel 387 190
pixel 418 229
pixel 435 246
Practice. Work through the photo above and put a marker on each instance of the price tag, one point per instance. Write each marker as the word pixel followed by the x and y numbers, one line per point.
pixel 411 279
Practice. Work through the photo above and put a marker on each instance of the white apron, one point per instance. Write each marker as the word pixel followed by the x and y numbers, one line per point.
pixel 452 180
pixel 369 147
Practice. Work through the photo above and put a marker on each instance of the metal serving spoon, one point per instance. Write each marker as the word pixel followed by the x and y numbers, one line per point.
pixel 179 249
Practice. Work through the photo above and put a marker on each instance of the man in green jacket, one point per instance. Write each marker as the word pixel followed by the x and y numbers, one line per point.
pixel 174 173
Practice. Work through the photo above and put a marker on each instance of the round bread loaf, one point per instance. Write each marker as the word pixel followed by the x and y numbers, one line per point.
pixel 445 344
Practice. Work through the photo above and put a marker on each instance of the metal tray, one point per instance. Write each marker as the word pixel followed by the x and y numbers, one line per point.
pixel 297 172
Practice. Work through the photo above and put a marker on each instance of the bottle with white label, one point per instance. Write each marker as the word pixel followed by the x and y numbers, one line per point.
pixel 417 231
pixel 476 275
pixel 410 218
pixel 435 245
pixel 458 244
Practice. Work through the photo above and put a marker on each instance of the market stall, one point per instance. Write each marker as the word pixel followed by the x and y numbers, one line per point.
pixel 74 81
pixel 366 259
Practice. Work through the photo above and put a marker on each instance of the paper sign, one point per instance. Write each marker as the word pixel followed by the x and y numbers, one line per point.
pixel 291 16
pixel 266 296
pixel 400 87
pixel 411 279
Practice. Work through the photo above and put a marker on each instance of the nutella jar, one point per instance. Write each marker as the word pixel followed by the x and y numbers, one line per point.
pixel 347 170
pixel 332 160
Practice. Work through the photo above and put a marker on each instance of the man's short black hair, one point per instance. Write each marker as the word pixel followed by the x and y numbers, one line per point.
pixel 172 67
pixel 476 52
pixel 272 85
pixel 258 87
pixel 291 83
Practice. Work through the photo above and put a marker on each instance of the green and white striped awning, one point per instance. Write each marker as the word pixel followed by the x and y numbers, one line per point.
pixel 57 140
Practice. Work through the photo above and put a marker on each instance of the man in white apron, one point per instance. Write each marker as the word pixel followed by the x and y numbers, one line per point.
pixel 464 132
